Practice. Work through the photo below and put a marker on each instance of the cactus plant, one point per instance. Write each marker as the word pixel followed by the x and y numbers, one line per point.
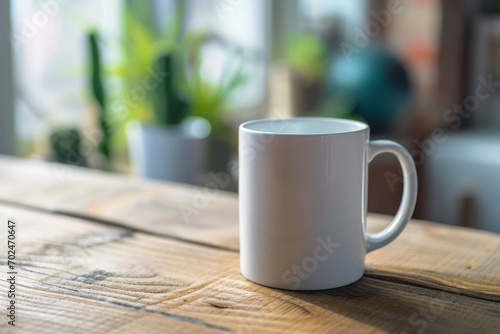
pixel 169 107
pixel 100 97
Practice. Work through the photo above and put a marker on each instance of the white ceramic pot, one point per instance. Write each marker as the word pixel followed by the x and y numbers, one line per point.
pixel 174 153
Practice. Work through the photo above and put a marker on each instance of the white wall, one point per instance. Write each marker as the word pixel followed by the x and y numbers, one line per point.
pixel 7 138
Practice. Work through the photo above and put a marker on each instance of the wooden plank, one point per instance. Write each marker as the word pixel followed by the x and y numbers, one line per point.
pixel 449 258
pixel 78 276
pixel 453 259
pixel 198 214
pixel 52 250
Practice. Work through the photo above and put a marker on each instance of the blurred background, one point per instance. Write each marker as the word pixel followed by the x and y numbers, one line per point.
pixel 158 88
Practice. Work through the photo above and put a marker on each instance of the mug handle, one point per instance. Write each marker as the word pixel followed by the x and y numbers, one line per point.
pixel 382 238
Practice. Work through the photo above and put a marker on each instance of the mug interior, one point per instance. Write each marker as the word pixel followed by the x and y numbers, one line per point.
pixel 304 126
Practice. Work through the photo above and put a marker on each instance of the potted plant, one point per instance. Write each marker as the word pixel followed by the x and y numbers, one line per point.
pixel 173 147
pixel 150 111
pixel 187 131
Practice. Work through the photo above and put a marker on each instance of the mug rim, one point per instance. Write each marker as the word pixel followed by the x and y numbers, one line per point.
pixel 361 126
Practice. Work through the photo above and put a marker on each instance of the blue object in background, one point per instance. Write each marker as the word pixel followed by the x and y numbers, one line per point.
pixel 375 80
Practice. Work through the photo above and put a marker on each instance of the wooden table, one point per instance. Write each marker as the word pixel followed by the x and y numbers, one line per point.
pixel 102 253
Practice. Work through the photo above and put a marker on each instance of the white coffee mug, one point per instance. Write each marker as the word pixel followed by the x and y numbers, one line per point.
pixel 303 201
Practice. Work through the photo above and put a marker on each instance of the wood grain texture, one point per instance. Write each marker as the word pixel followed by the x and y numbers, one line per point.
pixel 82 277
pixel 457 260
pixel 181 211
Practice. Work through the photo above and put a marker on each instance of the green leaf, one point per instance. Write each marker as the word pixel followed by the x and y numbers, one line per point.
pixel 306 53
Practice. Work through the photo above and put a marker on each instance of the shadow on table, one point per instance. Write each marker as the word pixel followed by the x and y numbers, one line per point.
pixel 388 306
